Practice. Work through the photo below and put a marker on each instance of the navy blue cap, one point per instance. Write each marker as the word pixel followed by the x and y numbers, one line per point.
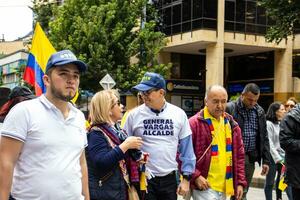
pixel 151 80
pixel 65 57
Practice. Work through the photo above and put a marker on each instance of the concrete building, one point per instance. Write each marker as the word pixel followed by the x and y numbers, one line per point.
pixel 12 67
pixel 222 42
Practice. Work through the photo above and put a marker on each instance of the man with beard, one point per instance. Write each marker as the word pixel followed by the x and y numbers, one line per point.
pixel 43 140
pixel 252 120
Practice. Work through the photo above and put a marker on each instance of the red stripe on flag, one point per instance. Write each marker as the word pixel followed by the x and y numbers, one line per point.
pixel 29 75
pixel 38 89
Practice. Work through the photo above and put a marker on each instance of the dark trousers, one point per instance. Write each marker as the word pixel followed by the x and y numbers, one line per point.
pixel 296 193
pixel 162 188
pixel 11 198
pixel 249 171
pixel 269 184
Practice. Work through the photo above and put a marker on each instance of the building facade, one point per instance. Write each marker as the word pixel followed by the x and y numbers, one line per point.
pixel 222 42
pixel 12 67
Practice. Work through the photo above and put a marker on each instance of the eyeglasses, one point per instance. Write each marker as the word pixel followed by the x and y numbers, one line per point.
pixel 289 105
pixel 148 92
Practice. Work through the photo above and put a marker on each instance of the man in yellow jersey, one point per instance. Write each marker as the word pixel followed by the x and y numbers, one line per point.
pixel 219 149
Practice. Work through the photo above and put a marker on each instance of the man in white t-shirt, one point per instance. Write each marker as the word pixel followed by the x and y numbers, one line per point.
pixel 43 140
pixel 164 129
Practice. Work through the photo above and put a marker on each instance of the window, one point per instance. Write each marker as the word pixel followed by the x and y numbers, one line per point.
pixel 185 15
pixel 245 16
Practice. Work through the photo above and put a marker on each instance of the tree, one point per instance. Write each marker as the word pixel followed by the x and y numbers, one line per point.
pixel 285 14
pixel 43 13
pixel 106 35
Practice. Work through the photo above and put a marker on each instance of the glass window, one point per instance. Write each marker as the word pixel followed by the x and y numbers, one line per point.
pixel 240 11
pixel 230 15
pixel 186 10
pixel 297 27
pixel 261 16
pixel 187 26
pixel 197 9
pixel 252 66
pixel 191 65
pixel 229 10
pixel 250 12
pixel 176 29
pixel 176 14
pixel 210 8
pixel 209 23
pixel 167 2
pixel 167 16
pixel 296 65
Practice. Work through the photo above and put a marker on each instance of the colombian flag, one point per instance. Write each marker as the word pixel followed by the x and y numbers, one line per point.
pixel 40 52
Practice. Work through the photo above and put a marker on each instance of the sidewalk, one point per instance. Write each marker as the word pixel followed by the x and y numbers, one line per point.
pixel 256 191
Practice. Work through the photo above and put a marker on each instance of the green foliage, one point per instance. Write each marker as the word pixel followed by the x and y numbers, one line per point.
pixel 234 97
pixel 285 14
pixel 106 35
pixel 43 13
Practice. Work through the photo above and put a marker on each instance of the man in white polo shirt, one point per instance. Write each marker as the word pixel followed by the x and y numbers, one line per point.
pixel 43 140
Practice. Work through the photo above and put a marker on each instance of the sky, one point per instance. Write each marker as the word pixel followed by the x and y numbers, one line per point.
pixel 15 19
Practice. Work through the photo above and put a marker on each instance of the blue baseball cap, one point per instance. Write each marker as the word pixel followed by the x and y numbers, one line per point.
pixel 149 81
pixel 65 57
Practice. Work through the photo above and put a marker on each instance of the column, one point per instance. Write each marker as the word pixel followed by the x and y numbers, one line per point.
pixel 283 82
pixel 215 52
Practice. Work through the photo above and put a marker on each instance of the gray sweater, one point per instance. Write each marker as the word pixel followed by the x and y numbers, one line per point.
pixel 276 151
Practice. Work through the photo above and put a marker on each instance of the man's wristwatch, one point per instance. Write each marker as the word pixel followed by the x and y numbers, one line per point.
pixel 187 177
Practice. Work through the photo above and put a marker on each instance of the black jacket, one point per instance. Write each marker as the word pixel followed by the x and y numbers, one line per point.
pixel 290 141
pixel 262 140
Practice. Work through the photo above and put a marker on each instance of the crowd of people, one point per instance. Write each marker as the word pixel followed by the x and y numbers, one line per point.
pixel 47 152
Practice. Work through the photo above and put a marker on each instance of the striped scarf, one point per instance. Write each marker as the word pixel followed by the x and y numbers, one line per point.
pixel 229 190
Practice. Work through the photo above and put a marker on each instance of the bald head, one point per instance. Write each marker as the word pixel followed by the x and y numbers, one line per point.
pixel 215 88
pixel 215 100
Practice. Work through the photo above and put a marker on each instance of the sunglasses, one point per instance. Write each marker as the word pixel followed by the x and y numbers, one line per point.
pixel 148 92
pixel 289 105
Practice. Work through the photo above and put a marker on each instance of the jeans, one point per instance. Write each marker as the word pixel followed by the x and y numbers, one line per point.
pixel 208 194
pixel 269 184
pixel 270 181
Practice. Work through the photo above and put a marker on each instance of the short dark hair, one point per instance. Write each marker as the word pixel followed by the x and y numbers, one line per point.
pixel 251 87
pixel 49 71
pixel 271 113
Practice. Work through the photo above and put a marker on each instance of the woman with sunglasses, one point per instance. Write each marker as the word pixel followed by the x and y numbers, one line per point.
pixel 276 112
pixel 109 149
pixel 290 103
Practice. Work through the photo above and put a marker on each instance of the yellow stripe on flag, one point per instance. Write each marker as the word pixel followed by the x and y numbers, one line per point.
pixel 41 47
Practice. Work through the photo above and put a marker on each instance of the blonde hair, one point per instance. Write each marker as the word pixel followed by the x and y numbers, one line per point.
pixel 101 105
